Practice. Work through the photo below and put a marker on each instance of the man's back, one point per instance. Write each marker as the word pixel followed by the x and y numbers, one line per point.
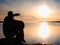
pixel 8 26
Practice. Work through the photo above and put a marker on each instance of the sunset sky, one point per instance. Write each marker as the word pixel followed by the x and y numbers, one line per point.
pixel 32 12
pixel 29 9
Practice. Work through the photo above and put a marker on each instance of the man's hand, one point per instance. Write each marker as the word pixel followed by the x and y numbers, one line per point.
pixel 17 14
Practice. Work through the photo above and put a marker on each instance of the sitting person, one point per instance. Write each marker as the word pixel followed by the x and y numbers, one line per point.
pixel 12 27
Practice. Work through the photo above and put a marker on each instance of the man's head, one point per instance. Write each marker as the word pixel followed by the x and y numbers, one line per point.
pixel 10 14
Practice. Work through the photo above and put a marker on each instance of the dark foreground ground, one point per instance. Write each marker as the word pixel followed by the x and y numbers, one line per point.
pixel 14 42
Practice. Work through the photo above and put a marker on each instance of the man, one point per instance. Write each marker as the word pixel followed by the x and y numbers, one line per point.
pixel 8 25
pixel 12 27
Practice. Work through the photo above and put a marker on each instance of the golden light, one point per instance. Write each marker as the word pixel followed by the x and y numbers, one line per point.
pixel 44 11
pixel 43 31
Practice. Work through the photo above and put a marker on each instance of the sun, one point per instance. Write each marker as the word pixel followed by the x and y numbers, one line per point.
pixel 44 11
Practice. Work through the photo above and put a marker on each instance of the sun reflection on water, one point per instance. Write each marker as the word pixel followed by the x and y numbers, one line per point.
pixel 44 31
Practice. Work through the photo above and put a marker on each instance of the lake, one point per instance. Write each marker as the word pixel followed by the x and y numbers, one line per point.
pixel 42 32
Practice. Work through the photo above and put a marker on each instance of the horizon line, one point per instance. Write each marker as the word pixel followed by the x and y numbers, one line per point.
pixel 40 21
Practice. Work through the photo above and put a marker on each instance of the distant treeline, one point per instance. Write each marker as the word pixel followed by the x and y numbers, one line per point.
pixel 1 21
pixel 42 21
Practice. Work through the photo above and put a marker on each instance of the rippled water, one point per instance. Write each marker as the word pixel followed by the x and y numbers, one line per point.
pixel 42 32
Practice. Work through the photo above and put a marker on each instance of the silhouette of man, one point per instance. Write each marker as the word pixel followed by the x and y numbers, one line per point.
pixel 7 25
pixel 13 27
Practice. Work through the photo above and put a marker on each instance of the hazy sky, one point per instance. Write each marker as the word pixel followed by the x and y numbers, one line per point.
pixel 28 9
